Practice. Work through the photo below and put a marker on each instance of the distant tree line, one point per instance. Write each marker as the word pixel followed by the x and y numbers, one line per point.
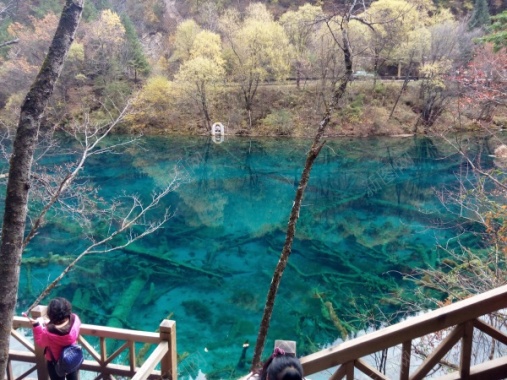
pixel 186 68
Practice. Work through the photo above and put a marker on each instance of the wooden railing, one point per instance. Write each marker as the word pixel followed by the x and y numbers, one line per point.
pixel 98 359
pixel 458 322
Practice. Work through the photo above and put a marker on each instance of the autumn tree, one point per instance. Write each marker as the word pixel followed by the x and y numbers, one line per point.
pixel 183 40
pixel 301 26
pixel 6 10
pixel 150 105
pixel 16 201
pixel 118 224
pixel 208 15
pixel 389 23
pixel 447 52
pixel 203 68
pixel 480 83
pixel 25 57
pixel 256 49
pixel 103 41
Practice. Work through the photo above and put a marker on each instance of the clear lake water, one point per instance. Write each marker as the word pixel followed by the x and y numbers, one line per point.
pixel 370 216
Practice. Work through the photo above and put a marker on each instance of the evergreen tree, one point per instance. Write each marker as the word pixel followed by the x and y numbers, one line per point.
pixel 136 58
pixel 480 17
pixel 498 31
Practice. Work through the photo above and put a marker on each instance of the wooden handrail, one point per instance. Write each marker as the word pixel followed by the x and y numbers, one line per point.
pixel 97 358
pixel 462 315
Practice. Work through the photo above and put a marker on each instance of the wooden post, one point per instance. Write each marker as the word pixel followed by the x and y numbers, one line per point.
pixel 42 368
pixel 466 349
pixel 405 360
pixel 169 362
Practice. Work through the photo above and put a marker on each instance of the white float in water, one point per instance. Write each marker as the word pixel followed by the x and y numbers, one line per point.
pixel 217 129
pixel 217 133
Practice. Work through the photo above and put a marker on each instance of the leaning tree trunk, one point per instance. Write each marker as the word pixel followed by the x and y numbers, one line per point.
pixel 18 185
pixel 317 145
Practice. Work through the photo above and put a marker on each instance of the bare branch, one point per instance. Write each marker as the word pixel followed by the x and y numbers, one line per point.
pixel 91 139
pixel 7 43
pixel 475 168
pixel 133 218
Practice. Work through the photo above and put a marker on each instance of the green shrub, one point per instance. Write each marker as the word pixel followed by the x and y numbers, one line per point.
pixel 279 122
pixel 353 111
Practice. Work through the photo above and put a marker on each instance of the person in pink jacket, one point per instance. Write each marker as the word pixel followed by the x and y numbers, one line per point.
pixel 61 330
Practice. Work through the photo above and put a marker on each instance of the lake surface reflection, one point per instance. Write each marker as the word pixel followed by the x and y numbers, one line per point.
pixel 369 216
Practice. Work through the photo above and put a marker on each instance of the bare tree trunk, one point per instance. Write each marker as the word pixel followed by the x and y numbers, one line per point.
pixel 18 185
pixel 317 145
pixel 204 106
pixel 403 87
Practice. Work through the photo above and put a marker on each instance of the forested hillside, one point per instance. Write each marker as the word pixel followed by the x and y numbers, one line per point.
pixel 263 68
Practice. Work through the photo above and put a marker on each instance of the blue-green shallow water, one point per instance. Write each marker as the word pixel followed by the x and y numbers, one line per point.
pixel 370 215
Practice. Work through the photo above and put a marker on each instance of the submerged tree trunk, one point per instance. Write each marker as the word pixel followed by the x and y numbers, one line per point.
pixel 18 185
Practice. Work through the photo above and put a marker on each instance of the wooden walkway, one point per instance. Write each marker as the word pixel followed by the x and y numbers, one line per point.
pixel 462 331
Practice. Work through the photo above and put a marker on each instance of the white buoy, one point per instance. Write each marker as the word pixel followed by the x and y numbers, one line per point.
pixel 217 129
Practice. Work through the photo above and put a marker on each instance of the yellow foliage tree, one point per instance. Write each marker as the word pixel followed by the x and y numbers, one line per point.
pixel 149 107
pixel 391 22
pixel 257 49
pixel 204 67
pixel 301 26
pixel 103 41
pixel 25 57
pixel 183 40
pixel 109 29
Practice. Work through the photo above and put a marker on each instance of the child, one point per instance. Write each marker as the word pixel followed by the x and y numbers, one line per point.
pixel 60 331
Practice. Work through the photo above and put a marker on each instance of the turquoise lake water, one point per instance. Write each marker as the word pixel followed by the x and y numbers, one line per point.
pixel 370 215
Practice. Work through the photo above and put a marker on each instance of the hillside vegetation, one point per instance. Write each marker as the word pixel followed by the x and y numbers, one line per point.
pixel 265 68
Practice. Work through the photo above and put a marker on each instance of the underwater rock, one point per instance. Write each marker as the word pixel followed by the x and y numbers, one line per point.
pixel 501 151
pixel 501 156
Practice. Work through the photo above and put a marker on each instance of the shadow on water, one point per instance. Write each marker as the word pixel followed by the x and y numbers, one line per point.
pixel 368 217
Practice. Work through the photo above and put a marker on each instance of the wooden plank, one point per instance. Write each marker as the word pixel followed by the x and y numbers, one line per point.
pixel 340 373
pixel 442 349
pixel 89 348
pixel 150 364
pixel 104 331
pixel 116 353
pixel 103 349
pixel 120 334
pixel 22 356
pixel 26 373
pixel 350 370
pixel 21 339
pixel 369 370
pixel 412 328
pixel 492 370
pixel 406 353
pixel 466 349
pixel 9 373
pixel 491 331
pixel 132 355
pixel 112 369
pixel 169 364
pixel 100 362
